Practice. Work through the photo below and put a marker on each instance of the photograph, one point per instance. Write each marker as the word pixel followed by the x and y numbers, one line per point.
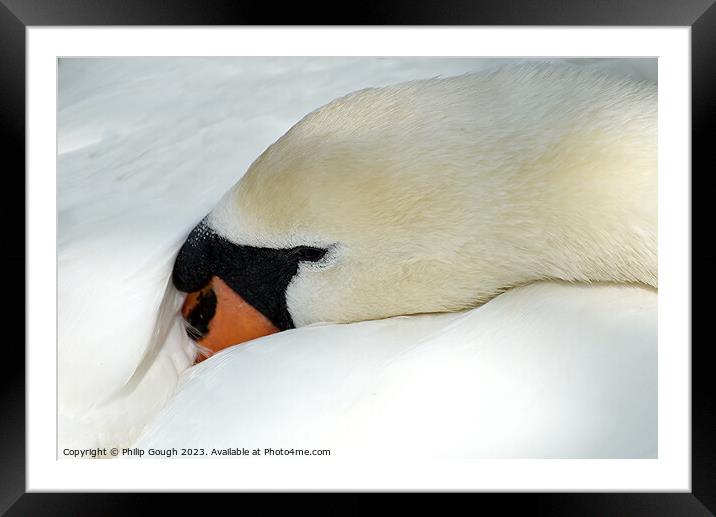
pixel 357 257
pixel 412 248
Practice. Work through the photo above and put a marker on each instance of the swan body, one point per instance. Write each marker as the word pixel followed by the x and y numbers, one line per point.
pixel 431 196
pixel 549 370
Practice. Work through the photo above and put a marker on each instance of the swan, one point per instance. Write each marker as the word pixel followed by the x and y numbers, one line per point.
pixel 401 259
pixel 432 196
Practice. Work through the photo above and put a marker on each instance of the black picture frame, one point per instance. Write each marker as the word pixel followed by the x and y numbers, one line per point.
pixel 17 15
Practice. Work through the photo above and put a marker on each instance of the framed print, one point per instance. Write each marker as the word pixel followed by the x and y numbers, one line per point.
pixel 439 291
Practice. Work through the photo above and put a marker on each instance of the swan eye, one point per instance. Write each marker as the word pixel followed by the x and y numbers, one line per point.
pixel 309 254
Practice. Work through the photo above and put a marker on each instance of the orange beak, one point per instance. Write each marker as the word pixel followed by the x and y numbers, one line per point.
pixel 233 321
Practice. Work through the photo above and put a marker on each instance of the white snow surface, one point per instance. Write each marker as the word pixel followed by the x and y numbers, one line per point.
pixel 146 147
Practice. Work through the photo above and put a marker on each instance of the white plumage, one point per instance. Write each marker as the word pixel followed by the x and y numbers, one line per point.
pixel 544 371
pixel 437 194
pixel 549 370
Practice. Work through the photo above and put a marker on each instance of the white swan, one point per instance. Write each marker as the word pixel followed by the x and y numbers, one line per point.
pixel 432 196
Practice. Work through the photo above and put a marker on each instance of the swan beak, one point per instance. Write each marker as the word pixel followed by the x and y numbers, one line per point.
pixel 217 318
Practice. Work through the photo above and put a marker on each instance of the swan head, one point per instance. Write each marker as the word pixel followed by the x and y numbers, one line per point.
pixel 428 196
